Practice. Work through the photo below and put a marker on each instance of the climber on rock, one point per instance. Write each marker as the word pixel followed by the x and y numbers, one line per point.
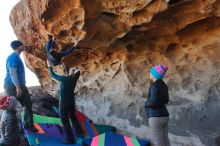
pixel 52 55
pixel 67 102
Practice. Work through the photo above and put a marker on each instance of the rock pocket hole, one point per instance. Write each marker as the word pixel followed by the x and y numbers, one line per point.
pixel 108 53
pixel 171 50
pixel 63 33
pixel 130 47
pixel 172 2
pixel 108 14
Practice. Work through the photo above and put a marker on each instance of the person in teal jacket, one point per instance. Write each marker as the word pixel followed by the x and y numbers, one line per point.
pixel 67 102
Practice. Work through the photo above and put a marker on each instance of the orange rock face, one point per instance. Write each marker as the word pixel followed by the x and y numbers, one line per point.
pixel 119 42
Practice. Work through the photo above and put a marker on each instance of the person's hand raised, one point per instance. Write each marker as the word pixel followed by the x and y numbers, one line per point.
pixel 49 63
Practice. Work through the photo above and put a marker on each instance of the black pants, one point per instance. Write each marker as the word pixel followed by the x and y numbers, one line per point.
pixel 67 110
pixel 24 100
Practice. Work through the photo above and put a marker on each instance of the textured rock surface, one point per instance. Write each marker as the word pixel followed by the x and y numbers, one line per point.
pixel 120 40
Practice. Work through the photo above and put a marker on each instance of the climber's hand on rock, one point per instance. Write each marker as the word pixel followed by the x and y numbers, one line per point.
pixel 50 36
pixel 49 63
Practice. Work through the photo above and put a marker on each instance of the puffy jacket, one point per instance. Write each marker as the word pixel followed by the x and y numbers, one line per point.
pixel 9 129
pixel 158 96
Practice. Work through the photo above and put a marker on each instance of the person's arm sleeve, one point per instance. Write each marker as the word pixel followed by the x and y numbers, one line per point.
pixel 76 74
pixel 152 100
pixel 55 76
pixel 166 100
pixel 67 51
pixel 12 62
pixel 49 45
pixel 14 76
pixel 12 65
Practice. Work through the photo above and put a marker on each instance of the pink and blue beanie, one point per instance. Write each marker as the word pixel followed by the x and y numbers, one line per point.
pixel 158 71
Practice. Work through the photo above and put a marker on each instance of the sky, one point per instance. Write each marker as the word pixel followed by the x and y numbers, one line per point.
pixel 6 36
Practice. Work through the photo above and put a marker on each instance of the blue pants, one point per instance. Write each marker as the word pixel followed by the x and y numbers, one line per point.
pixel 67 111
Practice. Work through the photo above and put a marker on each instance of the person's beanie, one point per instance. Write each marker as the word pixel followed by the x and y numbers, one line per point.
pixel 8 103
pixel 159 71
pixel 15 44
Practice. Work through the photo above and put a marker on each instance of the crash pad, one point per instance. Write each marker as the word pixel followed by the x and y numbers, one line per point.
pixel 114 139
pixel 48 135
pixel 50 130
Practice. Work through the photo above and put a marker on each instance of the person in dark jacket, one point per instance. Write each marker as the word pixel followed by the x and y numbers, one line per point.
pixel 9 124
pixel 67 102
pixel 155 106
pixel 52 55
